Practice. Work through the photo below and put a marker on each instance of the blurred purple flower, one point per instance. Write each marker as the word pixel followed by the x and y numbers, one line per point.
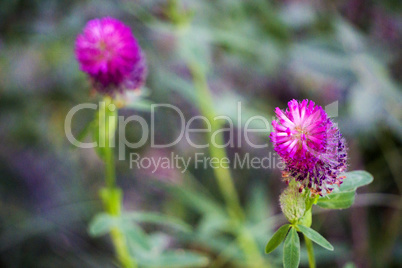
pixel 310 145
pixel 109 53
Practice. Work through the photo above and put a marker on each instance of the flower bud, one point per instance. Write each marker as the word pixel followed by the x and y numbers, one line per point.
pixel 292 203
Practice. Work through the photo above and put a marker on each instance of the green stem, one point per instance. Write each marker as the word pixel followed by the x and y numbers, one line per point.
pixel 222 175
pixel 306 221
pixel 310 252
pixel 108 151
pixel 122 253
pixel 111 195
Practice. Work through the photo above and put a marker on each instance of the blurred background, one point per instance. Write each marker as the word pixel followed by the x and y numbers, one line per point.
pixel 262 53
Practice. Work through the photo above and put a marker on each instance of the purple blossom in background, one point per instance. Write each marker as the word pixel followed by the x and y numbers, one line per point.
pixel 109 53
pixel 310 145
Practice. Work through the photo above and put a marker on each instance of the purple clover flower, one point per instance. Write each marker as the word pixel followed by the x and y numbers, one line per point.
pixel 310 145
pixel 109 53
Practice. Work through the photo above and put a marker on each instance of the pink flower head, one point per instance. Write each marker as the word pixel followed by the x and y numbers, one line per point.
pixel 109 53
pixel 310 145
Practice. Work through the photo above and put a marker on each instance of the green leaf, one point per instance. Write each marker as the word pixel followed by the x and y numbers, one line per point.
pixel 337 200
pixel 136 237
pixel 173 259
pixel 102 224
pixel 291 250
pixel 157 218
pixel 344 196
pixel 316 237
pixel 355 179
pixel 277 238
